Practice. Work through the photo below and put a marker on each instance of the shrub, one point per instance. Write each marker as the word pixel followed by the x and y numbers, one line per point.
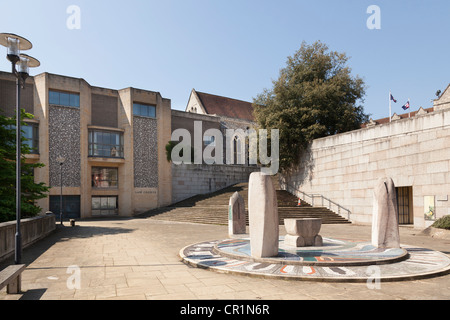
pixel 442 223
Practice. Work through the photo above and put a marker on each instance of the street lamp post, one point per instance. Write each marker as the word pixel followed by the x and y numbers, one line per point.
pixel 61 162
pixel 14 45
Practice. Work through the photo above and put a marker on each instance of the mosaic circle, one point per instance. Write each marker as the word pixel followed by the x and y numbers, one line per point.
pixel 419 263
pixel 333 252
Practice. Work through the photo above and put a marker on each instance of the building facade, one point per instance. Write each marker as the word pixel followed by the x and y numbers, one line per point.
pixel 414 151
pixel 111 141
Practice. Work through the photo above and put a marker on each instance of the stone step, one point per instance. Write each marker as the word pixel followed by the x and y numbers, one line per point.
pixel 213 208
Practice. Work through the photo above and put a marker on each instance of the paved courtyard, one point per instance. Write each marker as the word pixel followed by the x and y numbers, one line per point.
pixel 138 259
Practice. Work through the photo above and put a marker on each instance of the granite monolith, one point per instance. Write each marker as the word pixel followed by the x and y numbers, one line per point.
pixel 385 232
pixel 263 216
pixel 236 215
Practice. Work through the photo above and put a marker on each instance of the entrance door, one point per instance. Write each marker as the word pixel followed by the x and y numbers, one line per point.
pixel 71 207
pixel 405 205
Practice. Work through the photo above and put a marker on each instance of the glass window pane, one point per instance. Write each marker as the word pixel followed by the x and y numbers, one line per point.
pixel 96 203
pixel 53 97
pixel 27 131
pixel 152 112
pixel 74 100
pixel 146 111
pixel 64 99
pixel 104 203
pixel 136 109
pixel 112 203
pixel 112 138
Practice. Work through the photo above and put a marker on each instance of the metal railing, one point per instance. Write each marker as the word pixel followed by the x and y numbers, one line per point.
pixel 322 201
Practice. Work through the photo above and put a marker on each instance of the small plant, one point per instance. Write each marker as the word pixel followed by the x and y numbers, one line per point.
pixel 442 223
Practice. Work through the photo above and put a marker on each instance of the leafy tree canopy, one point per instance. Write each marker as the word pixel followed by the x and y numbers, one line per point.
pixel 315 96
pixel 31 191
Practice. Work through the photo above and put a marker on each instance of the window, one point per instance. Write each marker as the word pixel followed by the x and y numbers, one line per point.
pixel 104 205
pixel 104 177
pixel 64 99
pixel 144 110
pixel 30 131
pixel 105 144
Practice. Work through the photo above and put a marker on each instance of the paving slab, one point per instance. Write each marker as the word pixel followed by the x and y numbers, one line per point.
pixel 138 258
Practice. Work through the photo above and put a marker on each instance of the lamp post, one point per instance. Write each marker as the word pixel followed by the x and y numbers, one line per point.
pixel 61 162
pixel 14 45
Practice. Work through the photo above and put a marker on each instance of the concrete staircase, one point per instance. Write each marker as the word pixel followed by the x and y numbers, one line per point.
pixel 213 208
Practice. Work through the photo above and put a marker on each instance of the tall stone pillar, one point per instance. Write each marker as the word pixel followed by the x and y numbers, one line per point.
pixel 385 232
pixel 236 215
pixel 263 216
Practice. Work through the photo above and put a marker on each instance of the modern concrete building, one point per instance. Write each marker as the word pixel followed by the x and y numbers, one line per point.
pixel 112 142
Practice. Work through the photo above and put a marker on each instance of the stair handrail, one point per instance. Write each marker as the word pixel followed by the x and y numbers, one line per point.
pixel 312 196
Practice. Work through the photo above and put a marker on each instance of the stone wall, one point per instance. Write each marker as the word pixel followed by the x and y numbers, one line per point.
pixel 190 179
pixel 32 230
pixel 145 157
pixel 64 139
pixel 414 152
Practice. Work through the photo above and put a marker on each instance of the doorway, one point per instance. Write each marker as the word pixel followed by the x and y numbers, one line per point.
pixel 405 205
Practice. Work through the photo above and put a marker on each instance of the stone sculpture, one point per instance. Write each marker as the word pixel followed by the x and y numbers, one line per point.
pixel 385 232
pixel 236 215
pixel 303 232
pixel 263 216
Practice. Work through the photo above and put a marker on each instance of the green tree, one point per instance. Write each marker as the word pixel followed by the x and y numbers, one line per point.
pixel 31 191
pixel 315 96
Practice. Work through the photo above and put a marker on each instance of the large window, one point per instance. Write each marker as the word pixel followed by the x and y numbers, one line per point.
pixel 144 110
pixel 64 99
pixel 104 177
pixel 105 144
pixel 104 205
pixel 30 131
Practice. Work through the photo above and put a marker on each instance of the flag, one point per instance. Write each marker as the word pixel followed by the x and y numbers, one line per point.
pixel 393 99
pixel 406 106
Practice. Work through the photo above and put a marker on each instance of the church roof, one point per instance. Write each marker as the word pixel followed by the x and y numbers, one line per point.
pixel 228 107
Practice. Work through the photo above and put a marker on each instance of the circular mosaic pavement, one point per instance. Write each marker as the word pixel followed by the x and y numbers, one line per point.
pixel 336 260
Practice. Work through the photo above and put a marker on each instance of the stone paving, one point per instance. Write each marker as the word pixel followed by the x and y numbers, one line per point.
pixel 139 259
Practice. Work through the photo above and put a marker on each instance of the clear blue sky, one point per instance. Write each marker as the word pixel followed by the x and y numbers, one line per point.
pixel 235 48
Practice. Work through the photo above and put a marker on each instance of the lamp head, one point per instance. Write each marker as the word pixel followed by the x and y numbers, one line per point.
pixel 14 45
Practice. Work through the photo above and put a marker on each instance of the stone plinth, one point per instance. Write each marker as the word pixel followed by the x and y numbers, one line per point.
pixel 303 232
pixel 263 216
pixel 236 215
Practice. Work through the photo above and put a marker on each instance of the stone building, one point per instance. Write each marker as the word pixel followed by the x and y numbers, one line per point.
pixel 414 151
pixel 443 101
pixel 192 179
pixel 232 114
pixel 112 142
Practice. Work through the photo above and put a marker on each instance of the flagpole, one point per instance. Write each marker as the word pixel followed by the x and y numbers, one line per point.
pixel 409 115
pixel 390 106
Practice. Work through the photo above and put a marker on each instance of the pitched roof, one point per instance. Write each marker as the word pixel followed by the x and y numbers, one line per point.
pixel 228 107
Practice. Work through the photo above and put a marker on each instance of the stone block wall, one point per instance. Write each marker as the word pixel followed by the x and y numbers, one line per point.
pixel 189 180
pixel 414 152
pixel 32 230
